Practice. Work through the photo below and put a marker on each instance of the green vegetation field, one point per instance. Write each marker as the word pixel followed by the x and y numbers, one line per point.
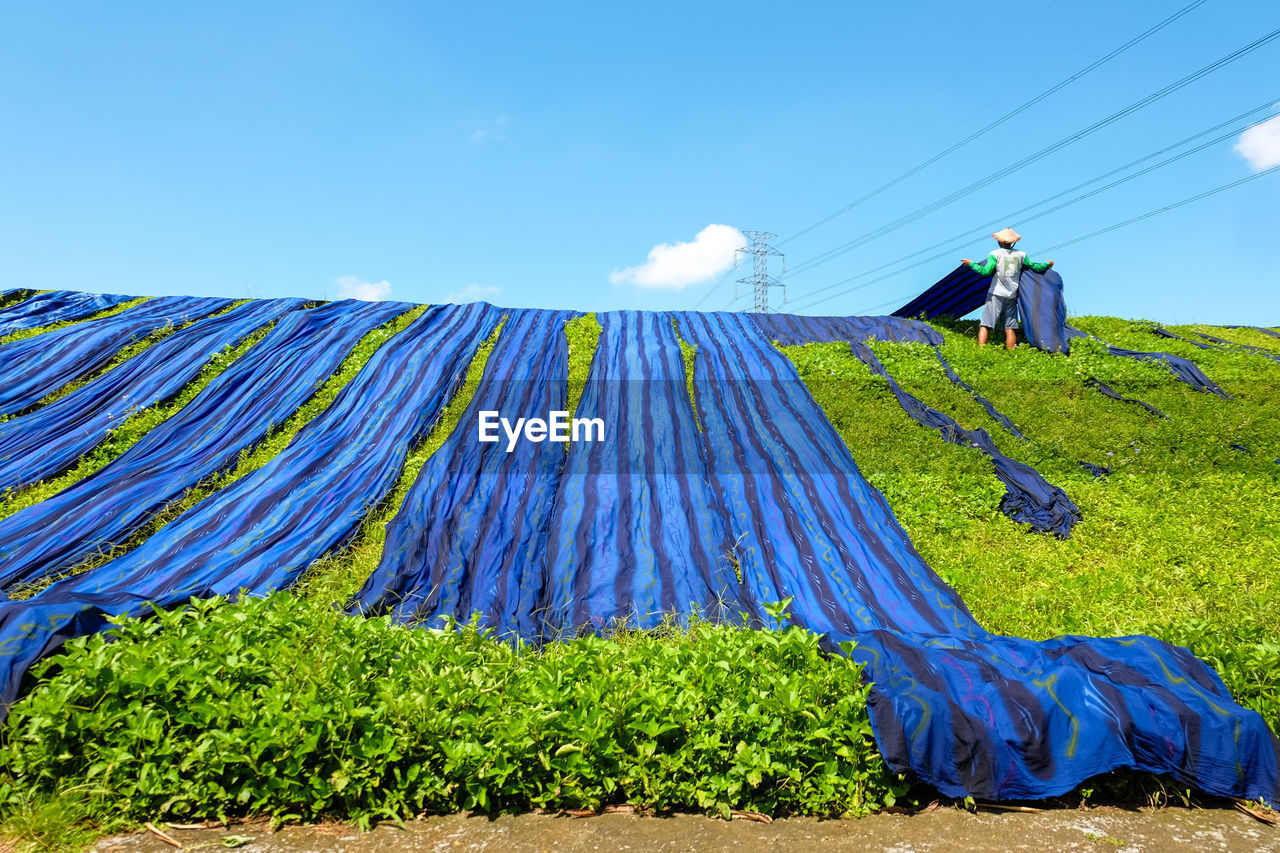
pixel 285 707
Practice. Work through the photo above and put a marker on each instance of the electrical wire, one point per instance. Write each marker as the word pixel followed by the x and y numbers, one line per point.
pixel 969 236
pixel 1039 155
pixel 1016 111
pixel 1130 221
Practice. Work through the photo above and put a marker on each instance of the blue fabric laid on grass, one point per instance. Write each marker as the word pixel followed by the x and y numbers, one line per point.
pixel 1114 395
pixel 1043 310
pixel 1184 370
pixel 969 712
pixel 236 410
pixel 261 532
pixel 1041 304
pixel 50 439
pixel 35 367
pixel 474 525
pixel 1228 345
pixel 638 530
pixel 792 329
pixel 1028 498
pixel 986 404
pixel 45 309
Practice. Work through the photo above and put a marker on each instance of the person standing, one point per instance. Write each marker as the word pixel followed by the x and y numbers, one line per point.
pixel 1004 265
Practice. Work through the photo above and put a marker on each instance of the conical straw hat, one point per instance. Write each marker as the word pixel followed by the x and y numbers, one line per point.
pixel 1008 235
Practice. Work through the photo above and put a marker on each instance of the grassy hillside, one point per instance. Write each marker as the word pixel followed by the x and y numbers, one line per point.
pixel 1179 540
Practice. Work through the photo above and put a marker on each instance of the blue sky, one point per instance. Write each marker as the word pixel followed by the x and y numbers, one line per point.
pixel 536 154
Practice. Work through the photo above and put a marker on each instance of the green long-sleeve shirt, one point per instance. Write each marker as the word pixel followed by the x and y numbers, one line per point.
pixel 1006 264
pixel 988 266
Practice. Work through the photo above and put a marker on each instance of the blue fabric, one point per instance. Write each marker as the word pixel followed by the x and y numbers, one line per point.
pixel 262 531
pixel 969 712
pixel 793 329
pixel 1114 395
pixel 50 439
pixel 44 309
pixel 1028 498
pixel 257 392
pixel 474 525
pixel 1043 310
pixel 637 527
pixel 1040 303
pixel 35 367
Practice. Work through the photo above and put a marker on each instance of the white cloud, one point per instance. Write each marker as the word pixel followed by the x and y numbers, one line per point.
pixel 473 293
pixel 678 265
pixel 1260 144
pixel 353 287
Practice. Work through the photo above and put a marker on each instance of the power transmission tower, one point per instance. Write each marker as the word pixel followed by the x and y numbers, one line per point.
pixel 761 281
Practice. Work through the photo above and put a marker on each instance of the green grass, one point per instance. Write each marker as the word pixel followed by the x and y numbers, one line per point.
pixel 1178 541
pixel 251 459
pixel 583 334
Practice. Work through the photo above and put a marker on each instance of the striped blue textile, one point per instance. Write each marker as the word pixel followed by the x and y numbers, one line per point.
pixel 1108 391
pixel 34 367
pixel 50 439
pixel 638 529
pixel 793 329
pixel 969 712
pixel 261 532
pixel 56 306
pixel 1043 311
pixel 1040 304
pixel 474 525
pixel 257 392
pixel 663 514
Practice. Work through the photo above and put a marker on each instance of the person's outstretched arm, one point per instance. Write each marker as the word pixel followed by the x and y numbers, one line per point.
pixel 986 268
pixel 1034 267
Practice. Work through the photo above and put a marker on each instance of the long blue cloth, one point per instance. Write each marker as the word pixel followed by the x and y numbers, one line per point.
pixel 34 367
pixel 970 712
pixel 1183 369
pixel 474 525
pixel 262 531
pixel 1041 305
pixel 50 439
pixel 235 411
pixel 638 530
pixel 792 329
pixel 45 309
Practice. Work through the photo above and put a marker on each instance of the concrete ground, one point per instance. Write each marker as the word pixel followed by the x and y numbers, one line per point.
pixel 942 829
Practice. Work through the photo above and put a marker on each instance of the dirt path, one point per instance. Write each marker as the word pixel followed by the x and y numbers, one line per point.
pixel 1101 829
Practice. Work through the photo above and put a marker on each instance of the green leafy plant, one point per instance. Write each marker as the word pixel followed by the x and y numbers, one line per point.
pixel 287 707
